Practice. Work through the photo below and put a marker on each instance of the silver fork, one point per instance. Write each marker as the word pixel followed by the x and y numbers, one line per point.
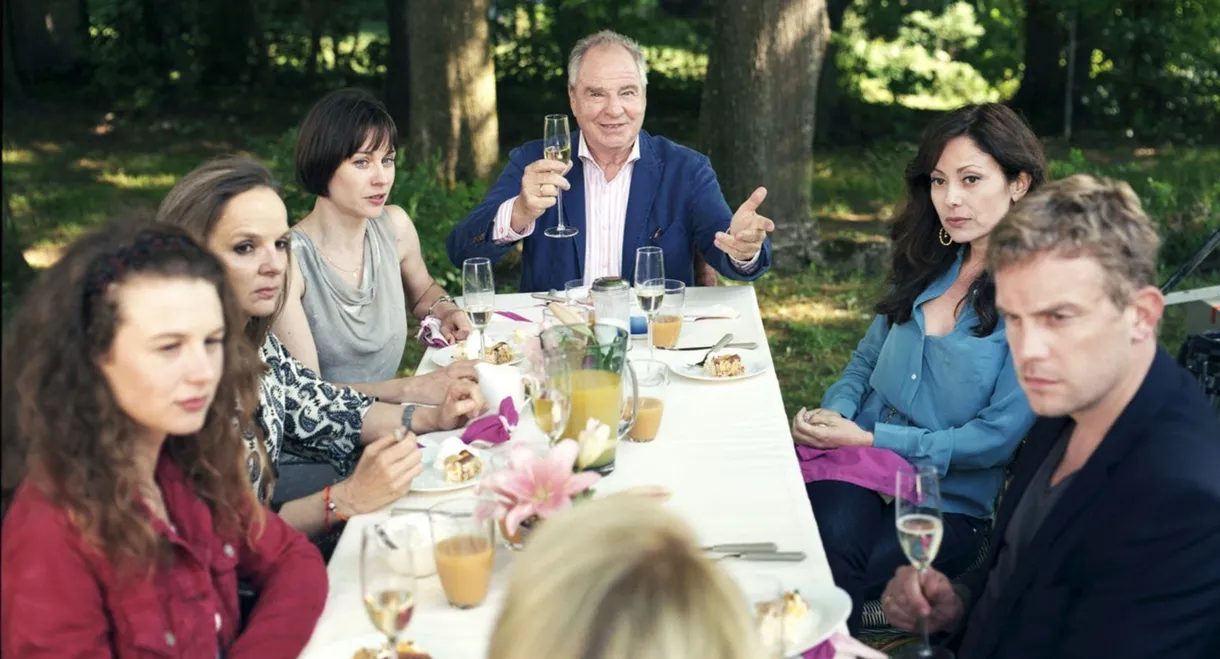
pixel 724 341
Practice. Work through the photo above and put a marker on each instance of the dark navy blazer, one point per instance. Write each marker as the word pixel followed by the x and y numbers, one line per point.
pixel 1127 562
pixel 675 203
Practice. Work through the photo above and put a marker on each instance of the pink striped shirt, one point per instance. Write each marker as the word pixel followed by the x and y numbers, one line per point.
pixel 605 217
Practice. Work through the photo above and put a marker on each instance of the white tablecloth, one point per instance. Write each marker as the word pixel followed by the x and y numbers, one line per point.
pixel 724 450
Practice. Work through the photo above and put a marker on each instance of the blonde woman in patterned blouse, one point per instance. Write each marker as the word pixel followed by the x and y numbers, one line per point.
pixel 233 207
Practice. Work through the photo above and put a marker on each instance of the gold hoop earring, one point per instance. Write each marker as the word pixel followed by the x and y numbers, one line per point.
pixel 945 238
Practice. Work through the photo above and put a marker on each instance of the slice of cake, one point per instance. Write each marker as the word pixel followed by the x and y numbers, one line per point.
pixel 795 606
pixel 724 365
pixel 462 467
pixel 500 353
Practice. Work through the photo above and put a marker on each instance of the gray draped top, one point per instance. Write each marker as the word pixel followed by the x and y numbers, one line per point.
pixel 360 332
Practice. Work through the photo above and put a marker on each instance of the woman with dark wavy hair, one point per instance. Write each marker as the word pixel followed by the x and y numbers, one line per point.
pixel 932 379
pixel 127 514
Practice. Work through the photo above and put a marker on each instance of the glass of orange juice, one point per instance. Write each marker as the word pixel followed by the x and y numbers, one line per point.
pixel 653 378
pixel 667 324
pixel 464 547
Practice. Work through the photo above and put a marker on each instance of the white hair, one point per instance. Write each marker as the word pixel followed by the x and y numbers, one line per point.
pixel 605 38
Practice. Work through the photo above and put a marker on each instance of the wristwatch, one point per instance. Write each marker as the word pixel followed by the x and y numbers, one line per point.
pixel 408 411
pixel 443 298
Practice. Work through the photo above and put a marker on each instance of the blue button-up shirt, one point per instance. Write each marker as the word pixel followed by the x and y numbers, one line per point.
pixel 951 401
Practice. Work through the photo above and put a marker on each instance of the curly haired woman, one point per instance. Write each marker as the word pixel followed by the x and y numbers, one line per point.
pixel 128 516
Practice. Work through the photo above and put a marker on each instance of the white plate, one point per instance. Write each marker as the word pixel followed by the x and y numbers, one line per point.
pixel 828 608
pixel 433 480
pixel 445 356
pixel 754 364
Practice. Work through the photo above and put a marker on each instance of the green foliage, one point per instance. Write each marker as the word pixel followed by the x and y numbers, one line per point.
pixel 920 58
pixel 1157 67
pixel 1179 188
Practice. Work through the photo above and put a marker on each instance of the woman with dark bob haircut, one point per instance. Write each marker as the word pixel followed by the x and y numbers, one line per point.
pixel 361 271
pixel 932 380
pixel 128 519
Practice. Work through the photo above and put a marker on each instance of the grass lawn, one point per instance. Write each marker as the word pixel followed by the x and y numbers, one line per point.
pixel 67 170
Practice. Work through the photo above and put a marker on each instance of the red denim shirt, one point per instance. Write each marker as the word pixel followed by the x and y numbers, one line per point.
pixel 59 598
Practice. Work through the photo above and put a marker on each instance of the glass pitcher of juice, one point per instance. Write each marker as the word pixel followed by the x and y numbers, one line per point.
pixel 598 376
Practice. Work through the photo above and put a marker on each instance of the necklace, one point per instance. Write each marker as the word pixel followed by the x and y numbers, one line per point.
pixel 349 271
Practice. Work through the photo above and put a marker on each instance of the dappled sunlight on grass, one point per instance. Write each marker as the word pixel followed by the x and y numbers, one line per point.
pixel 18 156
pixel 138 181
pixel 808 311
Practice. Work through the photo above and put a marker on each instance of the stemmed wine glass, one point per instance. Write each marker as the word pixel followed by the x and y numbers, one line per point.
pixel 478 296
pixel 650 286
pixel 920 530
pixel 551 397
pixel 557 145
pixel 387 579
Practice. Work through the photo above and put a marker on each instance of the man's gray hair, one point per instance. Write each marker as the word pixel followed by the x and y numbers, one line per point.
pixel 605 38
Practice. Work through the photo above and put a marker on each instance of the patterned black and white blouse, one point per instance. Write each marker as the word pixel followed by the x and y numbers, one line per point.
pixel 300 413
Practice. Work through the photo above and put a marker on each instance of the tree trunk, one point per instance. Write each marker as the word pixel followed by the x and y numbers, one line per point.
pixel 46 37
pixel 14 91
pixel 398 65
pixel 828 78
pixel 453 87
pixel 758 110
pixel 1040 97
pixel 229 27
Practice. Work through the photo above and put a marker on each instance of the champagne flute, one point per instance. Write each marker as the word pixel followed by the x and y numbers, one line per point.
pixel 478 296
pixel 387 579
pixel 557 145
pixel 551 397
pixel 920 530
pixel 650 286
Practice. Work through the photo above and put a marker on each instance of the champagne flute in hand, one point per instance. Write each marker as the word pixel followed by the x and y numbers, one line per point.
pixel 387 579
pixel 650 286
pixel 557 146
pixel 478 296
pixel 920 530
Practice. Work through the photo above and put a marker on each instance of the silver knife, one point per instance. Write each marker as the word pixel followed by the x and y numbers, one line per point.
pixel 549 297
pixel 743 547
pixel 777 556
pixel 748 345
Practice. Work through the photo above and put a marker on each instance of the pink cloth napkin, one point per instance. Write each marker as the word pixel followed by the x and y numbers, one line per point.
pixel 430 333
pixel 495 429
pixel 867 466
pixel 514 316
pixel 840 644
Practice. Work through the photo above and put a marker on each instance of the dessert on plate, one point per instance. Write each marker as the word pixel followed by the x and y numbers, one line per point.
pixel 724 365
pixel 456 461
pixel 500 353
pixel 462 467
pixel 787 615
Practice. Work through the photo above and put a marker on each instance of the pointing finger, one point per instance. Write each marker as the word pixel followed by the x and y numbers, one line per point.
pixel 754 201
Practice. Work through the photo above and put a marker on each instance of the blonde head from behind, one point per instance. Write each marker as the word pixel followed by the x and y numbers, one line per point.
pixel 620 578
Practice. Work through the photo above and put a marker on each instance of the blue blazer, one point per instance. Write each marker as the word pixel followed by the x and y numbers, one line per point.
pixel 675 204
pixel 1127 562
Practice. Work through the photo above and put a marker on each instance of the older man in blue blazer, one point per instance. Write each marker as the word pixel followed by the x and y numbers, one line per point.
pixel 625 189
pixel 1107 543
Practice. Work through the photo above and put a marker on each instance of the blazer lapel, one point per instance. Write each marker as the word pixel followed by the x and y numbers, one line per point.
pixel 645 180
pixel 1085 486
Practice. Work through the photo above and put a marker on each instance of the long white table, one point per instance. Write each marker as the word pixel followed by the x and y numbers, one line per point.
pixel 724 450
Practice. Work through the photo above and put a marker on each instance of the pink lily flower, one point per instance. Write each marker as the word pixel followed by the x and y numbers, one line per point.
pixel 533 485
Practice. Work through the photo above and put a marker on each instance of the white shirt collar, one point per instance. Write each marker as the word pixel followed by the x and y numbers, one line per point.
pixel 583 152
